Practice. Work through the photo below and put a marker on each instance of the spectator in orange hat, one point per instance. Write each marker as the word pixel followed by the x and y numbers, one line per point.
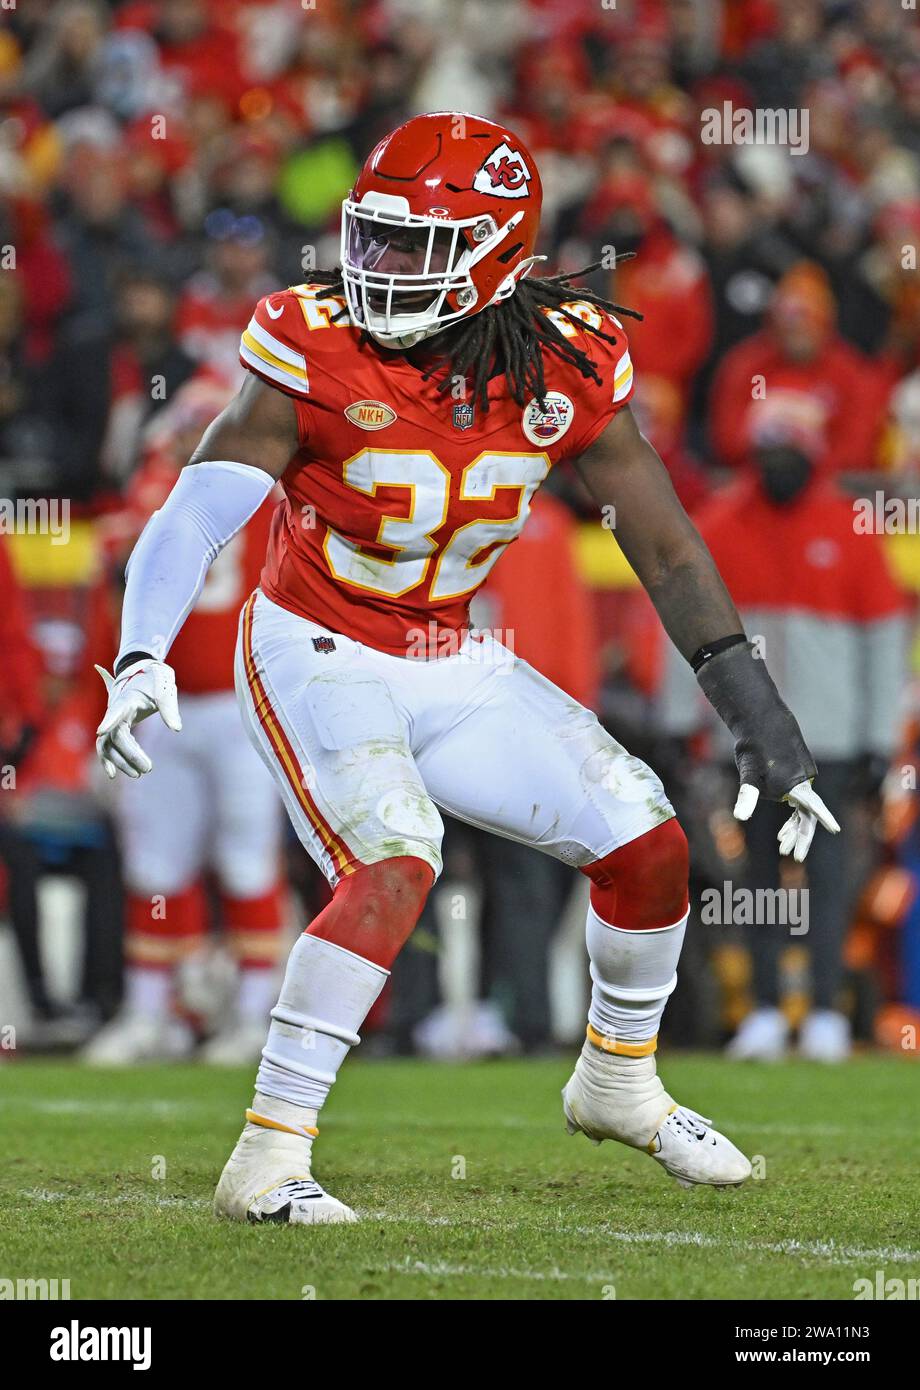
pixel 799 359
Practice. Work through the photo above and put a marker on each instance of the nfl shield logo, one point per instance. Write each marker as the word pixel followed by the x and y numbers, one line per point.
pixel 323 644
pixel 463 417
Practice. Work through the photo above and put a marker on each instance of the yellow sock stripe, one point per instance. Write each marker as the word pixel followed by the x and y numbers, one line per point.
pixel 622 1049
pixel 307 1132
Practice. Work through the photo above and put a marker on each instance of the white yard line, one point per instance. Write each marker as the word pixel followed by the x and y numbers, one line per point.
pixel 442 1269
pixel 827 1251
pixel 118 1199
pixel 165 1109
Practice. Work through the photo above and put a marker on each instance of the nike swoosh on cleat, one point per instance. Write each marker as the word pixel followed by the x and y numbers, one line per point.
pixel 282 1215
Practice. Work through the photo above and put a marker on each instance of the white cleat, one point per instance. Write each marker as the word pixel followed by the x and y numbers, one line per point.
pixel 268 1178
pixel 762 1037
pixel 825 1037
pixel 235 1046
pixel 622 1098
pixel 135 1037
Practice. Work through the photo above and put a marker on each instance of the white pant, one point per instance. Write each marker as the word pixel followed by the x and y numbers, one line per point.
pixel 207 803
pixel 366 746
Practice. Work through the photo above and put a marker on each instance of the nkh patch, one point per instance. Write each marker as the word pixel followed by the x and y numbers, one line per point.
pixel 323 644
pixel 370 415
pixel 549 425
pixel 463 417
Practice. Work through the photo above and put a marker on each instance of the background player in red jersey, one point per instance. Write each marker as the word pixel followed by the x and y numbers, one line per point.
pixel 208 808
pixel 411 409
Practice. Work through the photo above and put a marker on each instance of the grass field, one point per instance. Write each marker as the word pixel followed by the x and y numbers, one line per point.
pixel 106 1179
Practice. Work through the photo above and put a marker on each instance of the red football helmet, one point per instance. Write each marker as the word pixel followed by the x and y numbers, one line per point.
pixel 441 222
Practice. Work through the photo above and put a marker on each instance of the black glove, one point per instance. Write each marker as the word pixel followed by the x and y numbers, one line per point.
pixel 770 753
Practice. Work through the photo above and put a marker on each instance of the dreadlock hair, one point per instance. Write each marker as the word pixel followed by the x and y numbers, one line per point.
pixel 514 334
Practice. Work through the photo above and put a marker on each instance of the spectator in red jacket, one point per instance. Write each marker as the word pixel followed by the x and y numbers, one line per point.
pixel 800 365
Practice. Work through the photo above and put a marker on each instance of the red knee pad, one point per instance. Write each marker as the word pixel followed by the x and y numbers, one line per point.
pixel 374 910
pixel 643 885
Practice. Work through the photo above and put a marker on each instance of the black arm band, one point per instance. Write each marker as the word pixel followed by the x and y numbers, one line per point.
pixel 129 659
pixel 711 649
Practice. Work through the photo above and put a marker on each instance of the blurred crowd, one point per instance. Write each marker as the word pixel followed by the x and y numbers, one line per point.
pixel 165 163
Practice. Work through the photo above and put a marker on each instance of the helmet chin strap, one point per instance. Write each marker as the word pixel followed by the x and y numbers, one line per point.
pixel 404 341
pixel 509 284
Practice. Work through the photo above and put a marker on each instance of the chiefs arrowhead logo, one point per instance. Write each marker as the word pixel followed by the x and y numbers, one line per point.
pixel 504 174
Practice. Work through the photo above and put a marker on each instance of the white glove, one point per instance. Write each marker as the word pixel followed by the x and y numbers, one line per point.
pixel 141 689
pixel 799 830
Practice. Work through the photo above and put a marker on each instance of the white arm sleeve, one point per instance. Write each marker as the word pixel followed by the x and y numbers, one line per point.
pixel 209 503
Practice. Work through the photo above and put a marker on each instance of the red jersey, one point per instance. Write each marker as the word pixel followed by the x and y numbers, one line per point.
pixel 401 498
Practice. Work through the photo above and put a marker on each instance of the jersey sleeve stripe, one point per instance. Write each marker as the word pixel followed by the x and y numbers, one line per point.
pixel 264 362
pixel 275 346
pixel 265 369
pixel 623 376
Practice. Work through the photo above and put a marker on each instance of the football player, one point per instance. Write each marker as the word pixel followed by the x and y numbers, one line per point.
pixel 231 818
pixel 411 405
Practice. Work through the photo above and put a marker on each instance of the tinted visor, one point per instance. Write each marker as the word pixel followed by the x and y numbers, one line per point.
pixel 405 267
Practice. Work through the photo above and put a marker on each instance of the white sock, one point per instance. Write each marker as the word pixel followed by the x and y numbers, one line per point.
pixel 256 992
pixel 148 991
pixel 632 975
pixel 327 993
